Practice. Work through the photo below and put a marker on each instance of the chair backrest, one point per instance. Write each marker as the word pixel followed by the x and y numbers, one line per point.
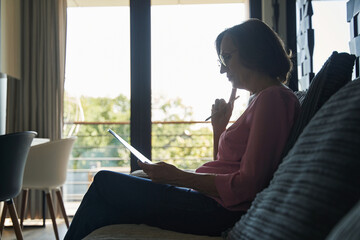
pixel 47 164
pixel 14 148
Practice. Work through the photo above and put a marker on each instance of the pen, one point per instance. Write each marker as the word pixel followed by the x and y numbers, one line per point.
pixel 217 112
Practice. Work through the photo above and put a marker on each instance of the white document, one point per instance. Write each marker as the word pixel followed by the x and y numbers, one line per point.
pixel 136 153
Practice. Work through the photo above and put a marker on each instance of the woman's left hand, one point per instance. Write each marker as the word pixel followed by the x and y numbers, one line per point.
pixel 162 172
pixel 169 174
pixel 221 112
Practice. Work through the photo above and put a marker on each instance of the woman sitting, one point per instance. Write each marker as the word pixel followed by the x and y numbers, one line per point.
pixel 246 154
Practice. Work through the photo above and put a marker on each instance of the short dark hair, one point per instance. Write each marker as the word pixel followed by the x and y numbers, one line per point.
pixel 259 48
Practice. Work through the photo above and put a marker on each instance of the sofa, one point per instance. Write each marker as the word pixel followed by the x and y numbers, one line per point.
pixel 315 192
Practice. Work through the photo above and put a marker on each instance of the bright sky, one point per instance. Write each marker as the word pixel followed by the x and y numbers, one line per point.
pixel 184 61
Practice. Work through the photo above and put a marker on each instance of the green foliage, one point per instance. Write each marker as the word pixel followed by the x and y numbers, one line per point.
pixel 180 144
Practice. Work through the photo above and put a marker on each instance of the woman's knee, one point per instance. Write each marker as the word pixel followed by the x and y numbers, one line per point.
pixel 112 178
pixel 105 174
pixel 102 173
pixel 99 176
pixel 105 177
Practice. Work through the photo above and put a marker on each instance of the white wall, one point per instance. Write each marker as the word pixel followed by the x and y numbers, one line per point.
pixel 10 59
pixel 11 38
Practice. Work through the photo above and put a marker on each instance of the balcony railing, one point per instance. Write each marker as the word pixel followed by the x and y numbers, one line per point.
pixel 186 144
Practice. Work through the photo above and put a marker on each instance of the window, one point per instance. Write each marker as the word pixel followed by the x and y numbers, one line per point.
pixel 97 86
pixel 332 32
pixel 97 90
pixel 186 78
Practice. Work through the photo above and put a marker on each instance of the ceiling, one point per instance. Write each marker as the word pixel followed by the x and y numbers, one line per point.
pixel 103 3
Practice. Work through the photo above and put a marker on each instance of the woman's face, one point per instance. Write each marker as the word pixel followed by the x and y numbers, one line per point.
pixel 235 71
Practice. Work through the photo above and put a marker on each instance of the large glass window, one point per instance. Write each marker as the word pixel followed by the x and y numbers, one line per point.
pixel 332 32
pixel 186 78
pixel 97 94
pixel 185 83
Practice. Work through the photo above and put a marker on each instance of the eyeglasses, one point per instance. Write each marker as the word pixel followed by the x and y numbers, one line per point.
pixel 224 59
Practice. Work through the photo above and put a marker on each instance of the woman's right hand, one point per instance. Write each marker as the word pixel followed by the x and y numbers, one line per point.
pixel 222 111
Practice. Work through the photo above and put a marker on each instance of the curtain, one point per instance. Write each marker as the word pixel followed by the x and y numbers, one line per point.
pixel 36 101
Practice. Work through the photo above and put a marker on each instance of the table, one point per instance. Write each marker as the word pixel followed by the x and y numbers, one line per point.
pixel 37 141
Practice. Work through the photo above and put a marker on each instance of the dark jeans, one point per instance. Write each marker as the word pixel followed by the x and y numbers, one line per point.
pixel 115 198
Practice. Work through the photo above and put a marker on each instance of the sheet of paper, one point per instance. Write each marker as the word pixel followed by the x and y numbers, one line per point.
pixel 136 153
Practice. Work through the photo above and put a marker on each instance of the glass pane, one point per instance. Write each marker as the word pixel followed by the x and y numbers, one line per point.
pixel 186 78
pixel 97 90
pixel 332 32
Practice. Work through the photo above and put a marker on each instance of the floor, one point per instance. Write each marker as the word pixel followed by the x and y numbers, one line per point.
pixel 38 233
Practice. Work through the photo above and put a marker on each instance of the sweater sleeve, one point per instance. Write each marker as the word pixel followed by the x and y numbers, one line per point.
pixel 272 119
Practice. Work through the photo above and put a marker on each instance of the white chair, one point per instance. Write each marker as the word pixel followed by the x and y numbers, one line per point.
pixel 46 170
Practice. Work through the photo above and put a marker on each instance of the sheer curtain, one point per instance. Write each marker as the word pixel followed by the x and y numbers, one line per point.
pixel 36 102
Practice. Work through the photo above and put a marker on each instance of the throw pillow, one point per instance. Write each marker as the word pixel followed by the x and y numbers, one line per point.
pixel 318 181
pixel 334 74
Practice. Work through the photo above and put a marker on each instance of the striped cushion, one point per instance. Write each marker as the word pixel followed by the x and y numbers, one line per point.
pixel 335 73
pixel 318 181
pixel 349 227
pixel 301 96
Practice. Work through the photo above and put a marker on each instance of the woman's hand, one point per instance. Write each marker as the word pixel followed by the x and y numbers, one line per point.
pixel 162 172
pixel 168 174
pixel 222 111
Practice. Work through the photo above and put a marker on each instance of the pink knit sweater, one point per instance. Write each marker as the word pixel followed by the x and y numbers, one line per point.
pixel 249 150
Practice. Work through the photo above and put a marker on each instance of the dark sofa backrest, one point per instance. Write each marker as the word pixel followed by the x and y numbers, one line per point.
pixel 317 183
pixel 334 74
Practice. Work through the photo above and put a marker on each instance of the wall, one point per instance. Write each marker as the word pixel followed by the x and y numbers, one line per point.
pixel 10 55
pixel 11 38
pixel 3 84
